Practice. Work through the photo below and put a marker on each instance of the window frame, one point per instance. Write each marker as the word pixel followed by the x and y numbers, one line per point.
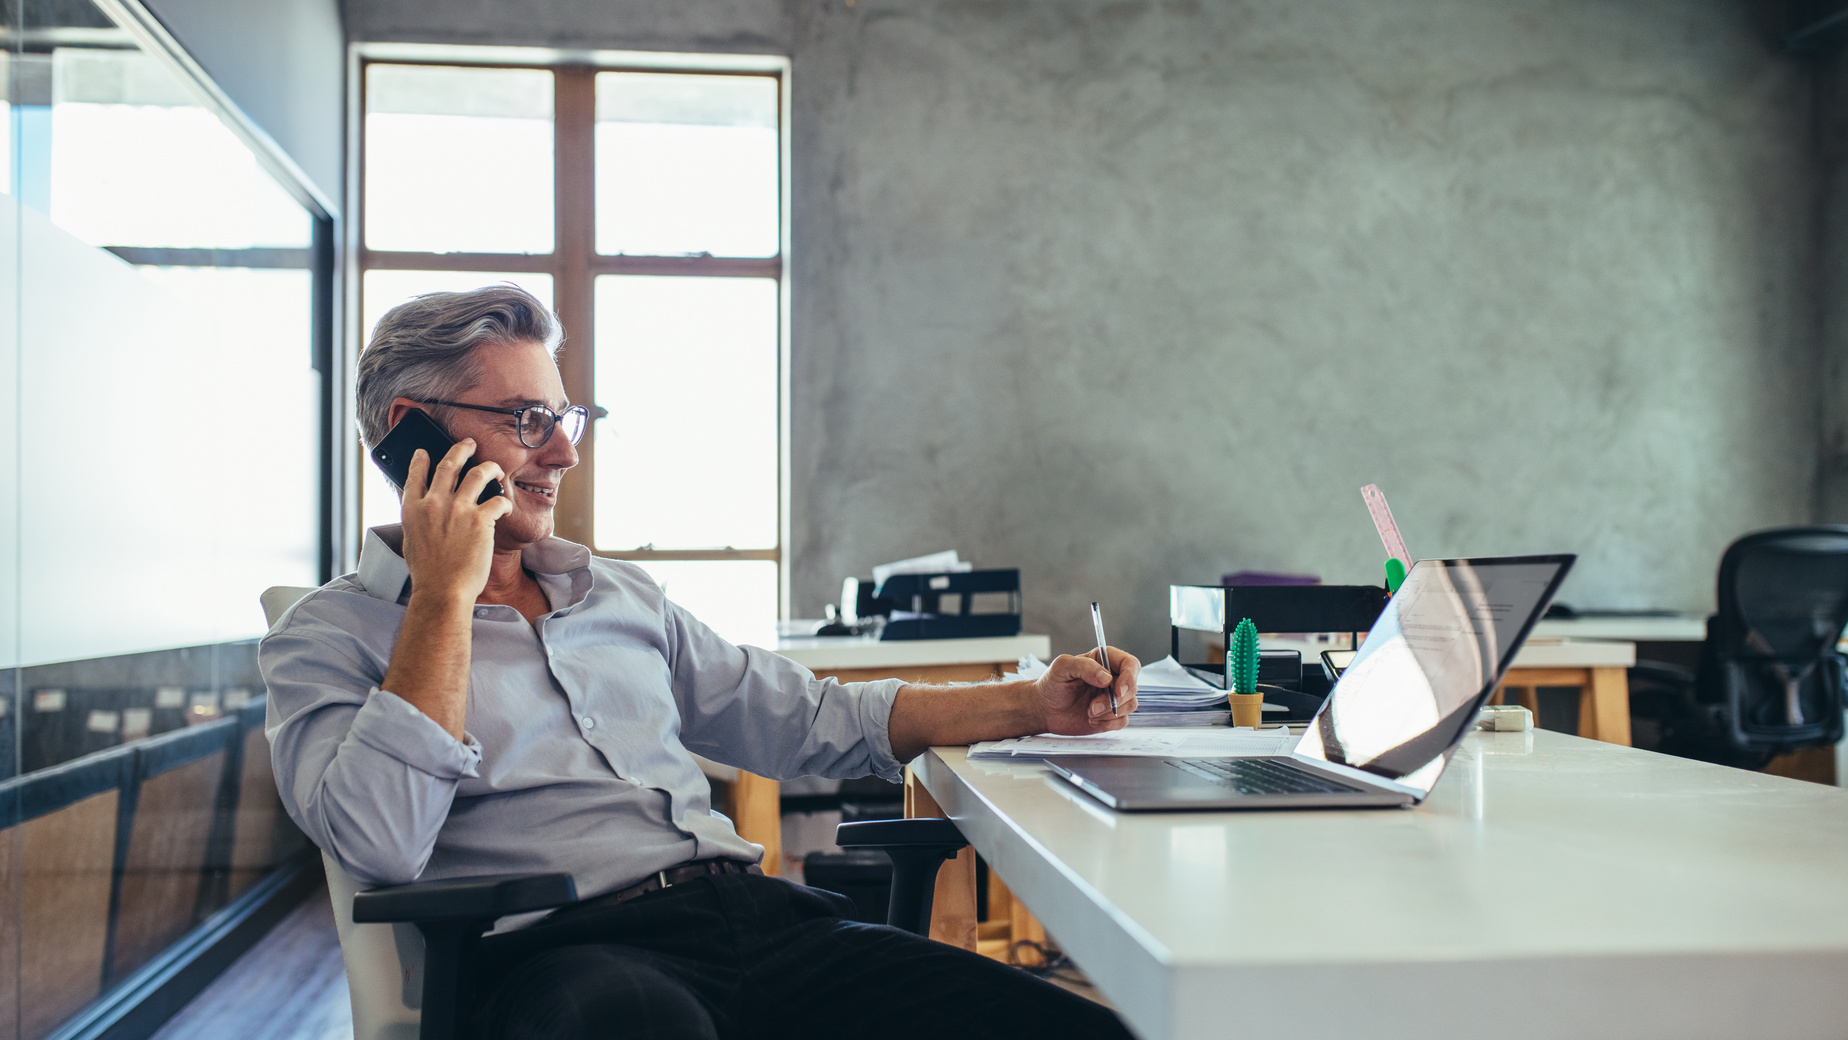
pixel 574 263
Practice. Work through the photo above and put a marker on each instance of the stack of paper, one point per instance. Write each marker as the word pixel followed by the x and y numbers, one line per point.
pixel 1166 694
pixel 1199 717
pixel 1165 686
pixel 1029 667
pixel 1214 742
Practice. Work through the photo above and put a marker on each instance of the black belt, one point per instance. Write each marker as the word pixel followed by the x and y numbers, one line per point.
pixel 679 875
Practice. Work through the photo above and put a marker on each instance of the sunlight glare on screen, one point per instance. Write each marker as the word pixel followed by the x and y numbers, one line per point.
pixel 135 161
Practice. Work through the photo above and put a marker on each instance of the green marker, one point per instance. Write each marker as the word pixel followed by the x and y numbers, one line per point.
pixel 1395 574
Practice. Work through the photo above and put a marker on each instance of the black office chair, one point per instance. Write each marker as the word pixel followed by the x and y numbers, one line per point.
pixel 453 914
pixel 1770 680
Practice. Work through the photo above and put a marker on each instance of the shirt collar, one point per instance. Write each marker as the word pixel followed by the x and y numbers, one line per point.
pixel 385 575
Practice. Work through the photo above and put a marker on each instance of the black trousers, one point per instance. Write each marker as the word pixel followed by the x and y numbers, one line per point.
pixel 745 956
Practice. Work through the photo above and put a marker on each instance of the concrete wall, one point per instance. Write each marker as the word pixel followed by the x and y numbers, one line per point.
pixel 1126 294
pixel 284 64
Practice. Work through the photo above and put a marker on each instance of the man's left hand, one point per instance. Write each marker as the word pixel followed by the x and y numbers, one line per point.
pixel 1074 692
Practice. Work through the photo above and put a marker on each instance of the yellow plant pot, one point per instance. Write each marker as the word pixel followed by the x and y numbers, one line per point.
pixel 1247 709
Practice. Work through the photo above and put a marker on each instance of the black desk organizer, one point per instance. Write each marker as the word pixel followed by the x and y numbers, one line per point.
pixel 1275 608
pixel 923 595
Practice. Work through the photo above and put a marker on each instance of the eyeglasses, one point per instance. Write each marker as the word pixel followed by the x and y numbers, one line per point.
pixel 536 422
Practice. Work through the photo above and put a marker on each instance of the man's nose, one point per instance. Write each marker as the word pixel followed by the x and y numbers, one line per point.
pixel 558 452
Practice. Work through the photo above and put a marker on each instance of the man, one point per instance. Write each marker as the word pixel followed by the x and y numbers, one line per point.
pixel 481 697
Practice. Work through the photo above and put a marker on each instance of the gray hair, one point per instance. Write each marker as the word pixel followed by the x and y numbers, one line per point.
pixel 424 348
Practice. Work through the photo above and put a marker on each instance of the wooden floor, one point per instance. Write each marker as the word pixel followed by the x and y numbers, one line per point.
pixel 289 986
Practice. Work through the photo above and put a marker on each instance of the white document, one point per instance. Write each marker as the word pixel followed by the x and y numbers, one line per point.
pixel 1163 675
pixel 1029 667
pixel 945 562
pixel 1212 742
pixel 1167 674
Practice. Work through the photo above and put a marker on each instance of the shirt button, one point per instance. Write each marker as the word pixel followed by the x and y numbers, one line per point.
pixel 589 723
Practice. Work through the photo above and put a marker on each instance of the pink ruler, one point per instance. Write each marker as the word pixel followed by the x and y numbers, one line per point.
pixel 1382 521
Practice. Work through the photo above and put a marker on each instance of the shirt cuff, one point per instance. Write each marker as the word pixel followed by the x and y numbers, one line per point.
pixel 390 725
pixel 875 704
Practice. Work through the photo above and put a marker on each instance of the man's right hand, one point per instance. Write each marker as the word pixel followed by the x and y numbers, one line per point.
pixel 448 535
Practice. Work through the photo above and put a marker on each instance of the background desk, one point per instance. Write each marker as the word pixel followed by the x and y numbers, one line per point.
pixel 1676 628
pixel 1550 887
pixel 1599 670
pixel 754 802
pixel 1604 699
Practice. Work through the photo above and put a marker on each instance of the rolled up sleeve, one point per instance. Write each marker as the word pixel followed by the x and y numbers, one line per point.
pixel 759 711
pixel 368 777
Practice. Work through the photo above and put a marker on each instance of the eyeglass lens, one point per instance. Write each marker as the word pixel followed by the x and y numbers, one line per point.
pixel 536 424
pixel 573 422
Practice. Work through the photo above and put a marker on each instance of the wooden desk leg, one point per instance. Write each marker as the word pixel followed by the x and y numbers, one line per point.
pixel 952 915
pixel 1008 923
pixel 1604 706
pixel 1025 928
pixel 995 935
pixel 756 808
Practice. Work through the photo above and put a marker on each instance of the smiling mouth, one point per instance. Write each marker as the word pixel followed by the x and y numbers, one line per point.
pixel 541 490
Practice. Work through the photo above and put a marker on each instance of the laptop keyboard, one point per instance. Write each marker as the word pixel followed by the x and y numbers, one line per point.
pixel 1259 776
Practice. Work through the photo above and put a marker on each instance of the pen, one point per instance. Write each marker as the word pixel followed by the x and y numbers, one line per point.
pixel 1103 656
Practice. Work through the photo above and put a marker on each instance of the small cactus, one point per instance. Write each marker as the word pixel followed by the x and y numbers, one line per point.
pixel 1242 658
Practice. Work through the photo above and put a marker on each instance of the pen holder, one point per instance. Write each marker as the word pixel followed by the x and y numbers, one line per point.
pixel 1247 709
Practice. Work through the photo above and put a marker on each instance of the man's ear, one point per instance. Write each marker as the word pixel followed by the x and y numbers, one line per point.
pixel 399 406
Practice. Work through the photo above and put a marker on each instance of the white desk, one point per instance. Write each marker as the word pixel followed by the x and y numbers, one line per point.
pixel 1577 889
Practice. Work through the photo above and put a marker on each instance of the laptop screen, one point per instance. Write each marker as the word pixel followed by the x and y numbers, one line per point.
pixel 1429 662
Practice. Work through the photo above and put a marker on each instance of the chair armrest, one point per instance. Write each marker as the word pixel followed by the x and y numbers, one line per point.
pixel 899 833
pixel 462 899
pixel 917 847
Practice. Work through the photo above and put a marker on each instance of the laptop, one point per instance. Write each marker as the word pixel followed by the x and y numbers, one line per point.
pixel 1390 725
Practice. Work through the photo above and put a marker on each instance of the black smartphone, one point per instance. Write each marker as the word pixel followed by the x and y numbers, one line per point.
pixel 418 430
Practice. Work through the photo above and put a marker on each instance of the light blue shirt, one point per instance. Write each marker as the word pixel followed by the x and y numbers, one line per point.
pixel 579 731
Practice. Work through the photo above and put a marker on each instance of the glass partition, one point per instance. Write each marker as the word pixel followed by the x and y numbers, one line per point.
pixel 157 307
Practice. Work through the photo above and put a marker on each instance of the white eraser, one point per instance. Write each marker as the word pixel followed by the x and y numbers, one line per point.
pixel 1505 718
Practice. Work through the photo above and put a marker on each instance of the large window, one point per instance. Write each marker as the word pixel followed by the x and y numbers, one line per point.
pixel 646 205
